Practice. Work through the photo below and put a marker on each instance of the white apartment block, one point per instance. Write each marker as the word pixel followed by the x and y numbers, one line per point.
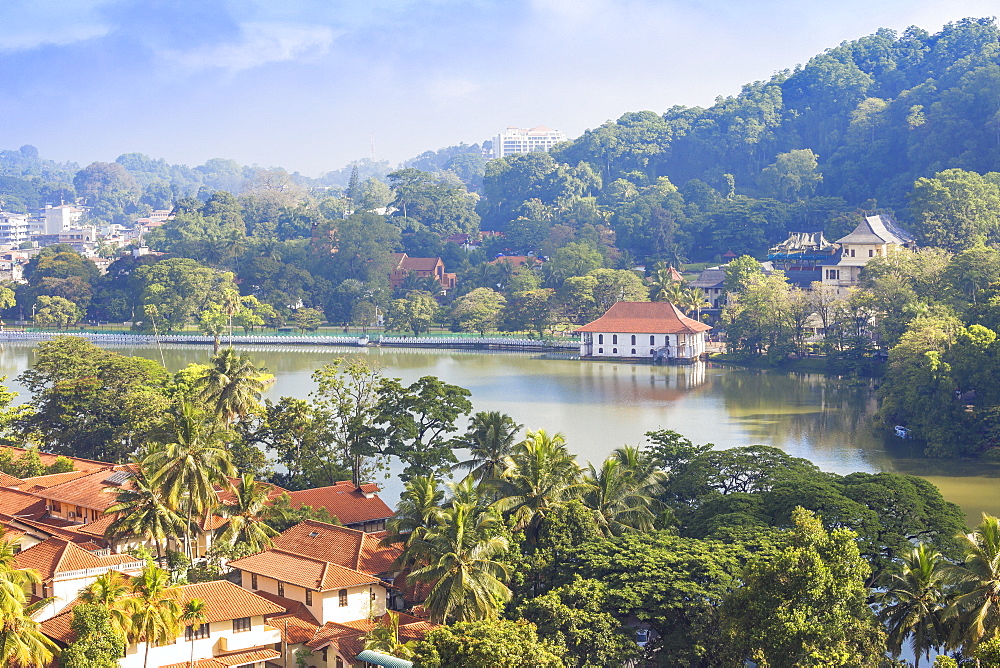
pixel 525 140
pixel 14 228
pixel 60 218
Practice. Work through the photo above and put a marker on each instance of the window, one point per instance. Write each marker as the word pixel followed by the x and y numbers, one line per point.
pixel 309 597
pixel 240 625
pixel 281 589
pixel 614 351
pixel 614 339
pixel 340 662
pixel 600 338
pixel 871 253
pixel 196 632
pixel 600 350
pixel 652 340
pixel 852 252
pixel 343 598
pixel 633 350
pixel 253 581
pixel 633 339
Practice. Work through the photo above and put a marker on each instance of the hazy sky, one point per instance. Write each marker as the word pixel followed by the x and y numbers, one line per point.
pixel 304 84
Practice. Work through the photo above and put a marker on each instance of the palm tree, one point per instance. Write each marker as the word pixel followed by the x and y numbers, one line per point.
pixel 458 553
pixel 142 512
pixel 540 474
pixel 622 501
pixel 193 614
pixel 154 614
pixel 245 527
pixel 661 282
pixel 913 601
pixel 694 299
pixel 489 440
pixel 418 509
pixel 976 604
pixel 109 590
pixel 232 385
pixel 21 641
pixel 384 637
pixel 187 470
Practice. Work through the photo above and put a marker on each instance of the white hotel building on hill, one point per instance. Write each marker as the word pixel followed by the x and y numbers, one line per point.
pixel 525 140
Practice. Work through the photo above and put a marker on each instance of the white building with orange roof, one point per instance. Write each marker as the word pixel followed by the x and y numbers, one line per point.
pixel 644 330
pixel 355 507
pixel 65 568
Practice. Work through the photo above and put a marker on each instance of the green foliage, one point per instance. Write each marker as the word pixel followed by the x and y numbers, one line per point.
pixel 486 644
pixel 478 311
pixel 415 313
pixel 98 643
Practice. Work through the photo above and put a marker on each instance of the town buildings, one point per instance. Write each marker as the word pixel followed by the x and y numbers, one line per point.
pixel 644 330
pixel 875 236
pixel 405 266
pixel 516 140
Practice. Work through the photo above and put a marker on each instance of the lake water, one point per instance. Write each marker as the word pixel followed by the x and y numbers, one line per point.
pixel 599 406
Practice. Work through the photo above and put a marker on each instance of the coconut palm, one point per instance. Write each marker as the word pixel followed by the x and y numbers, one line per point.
pixel 694 299
pixel 232 385
pixel 489 440
pixel 109 590
pixel 913 600
pixel 976 604
pixel 21 641
pixel 384 637
pixel 245 527
pixel 468 584
pixel 188 470
pixel 154 614
pixel 622 501
pixel 142 512
pixel 418 509
pixel 661 282
pixel 193 614
pixel 540 474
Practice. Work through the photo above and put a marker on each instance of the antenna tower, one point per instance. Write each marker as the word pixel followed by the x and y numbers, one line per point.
pixel 371 148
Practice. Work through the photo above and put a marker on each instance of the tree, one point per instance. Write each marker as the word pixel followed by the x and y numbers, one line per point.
pixel 956 209
pixel 99 642
pixel 414 422
pixel 55 312
pixel 177 289
pixel 977 578
pixel 740 271
pixel 540 474
pixel 245 529
pixel 486 644
pixel 577 616
pixel 232 385
pixel 154 610
pixel 415 313
pixel 458 556
pixel 22 642
pixel 384 637
pixel 913 602
pixel 418 510
pixel 193 614
pixel 622 501
pixel 489 439
pixel 141 511
pixel 793 175
pixel 573 259
pixel 307 319
pixel 478 311
pixel 108 591
pixel 807 605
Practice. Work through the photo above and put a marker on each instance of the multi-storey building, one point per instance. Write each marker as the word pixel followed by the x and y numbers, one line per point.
pixel 875 236
pixel 525 140
pixel 15 228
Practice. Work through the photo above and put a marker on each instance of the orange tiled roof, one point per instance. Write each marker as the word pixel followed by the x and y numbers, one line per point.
pixel 19 502
pixel 235 659
pixel 303 571
pixel 50 459
pixel 347 503
pixel 53 527
pixel 297 624
pixel 645 318
pixel 55 555
pixel 349 548
pixel 91 490
pixel 45 481
pixel 59 627
pixel 225 600
pixel 348 637
pixel 98 527
pixel 7 480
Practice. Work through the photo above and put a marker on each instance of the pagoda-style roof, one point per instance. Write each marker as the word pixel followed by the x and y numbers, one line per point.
pixel 878 230
pixel 645 318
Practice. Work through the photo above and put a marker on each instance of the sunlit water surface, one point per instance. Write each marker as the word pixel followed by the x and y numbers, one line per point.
pixel 599 406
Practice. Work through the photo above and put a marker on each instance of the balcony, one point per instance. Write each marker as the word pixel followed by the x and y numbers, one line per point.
pixel 255 637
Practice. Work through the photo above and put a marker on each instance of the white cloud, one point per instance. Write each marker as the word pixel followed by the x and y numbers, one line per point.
pixel 260 43
pixel 27 40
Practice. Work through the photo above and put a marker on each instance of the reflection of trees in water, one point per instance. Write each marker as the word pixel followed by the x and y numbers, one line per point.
pixel 780 408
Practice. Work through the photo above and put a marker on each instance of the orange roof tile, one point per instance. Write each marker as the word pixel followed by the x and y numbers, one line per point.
pixel 52 479
pixel 19 502
pixel 348 637
pixel 303 571
pixel 98 527
pixel 349 548
pixel 55 555
pixel 7 480
pixel 50 459
pixel 349 504
pixel 225 600
pixel 92 490
pixel 235 659
pixel 296 625
pixel 59 627
pixel 645 318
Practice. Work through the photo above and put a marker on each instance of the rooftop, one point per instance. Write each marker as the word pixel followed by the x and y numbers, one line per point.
pixel 645 318
pixel 878 230
pixel 54 556
pixel 225 600
pixel 303 571
pixel 349 504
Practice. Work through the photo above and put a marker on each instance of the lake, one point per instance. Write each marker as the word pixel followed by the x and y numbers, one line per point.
pixel 599 406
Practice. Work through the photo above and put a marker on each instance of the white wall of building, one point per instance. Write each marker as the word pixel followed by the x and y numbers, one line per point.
pixel 325 606
pixel 621 345
pixel 221 639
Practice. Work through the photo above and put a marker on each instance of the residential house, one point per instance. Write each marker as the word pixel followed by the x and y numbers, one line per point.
pixel 875 236
pixel 234 632
pixel 355 507
pixel 405 266
pixel 65 568
pixel 644 330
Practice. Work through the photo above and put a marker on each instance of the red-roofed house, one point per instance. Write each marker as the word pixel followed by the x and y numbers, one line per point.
pixel 644 330
pixel 422 267
pixel 355 507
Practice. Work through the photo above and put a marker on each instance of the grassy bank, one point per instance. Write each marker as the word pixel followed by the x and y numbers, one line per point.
pixel 802 365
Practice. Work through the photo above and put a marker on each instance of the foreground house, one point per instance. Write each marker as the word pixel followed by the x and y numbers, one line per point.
pixel 644 330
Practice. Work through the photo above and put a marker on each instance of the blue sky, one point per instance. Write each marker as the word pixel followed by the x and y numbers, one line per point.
pixel 304 84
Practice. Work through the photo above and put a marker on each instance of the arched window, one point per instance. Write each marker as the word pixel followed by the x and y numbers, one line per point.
pixel 600 338
pixel 614 338
pixel 652 340
pixel 633 350
pixel 633 340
